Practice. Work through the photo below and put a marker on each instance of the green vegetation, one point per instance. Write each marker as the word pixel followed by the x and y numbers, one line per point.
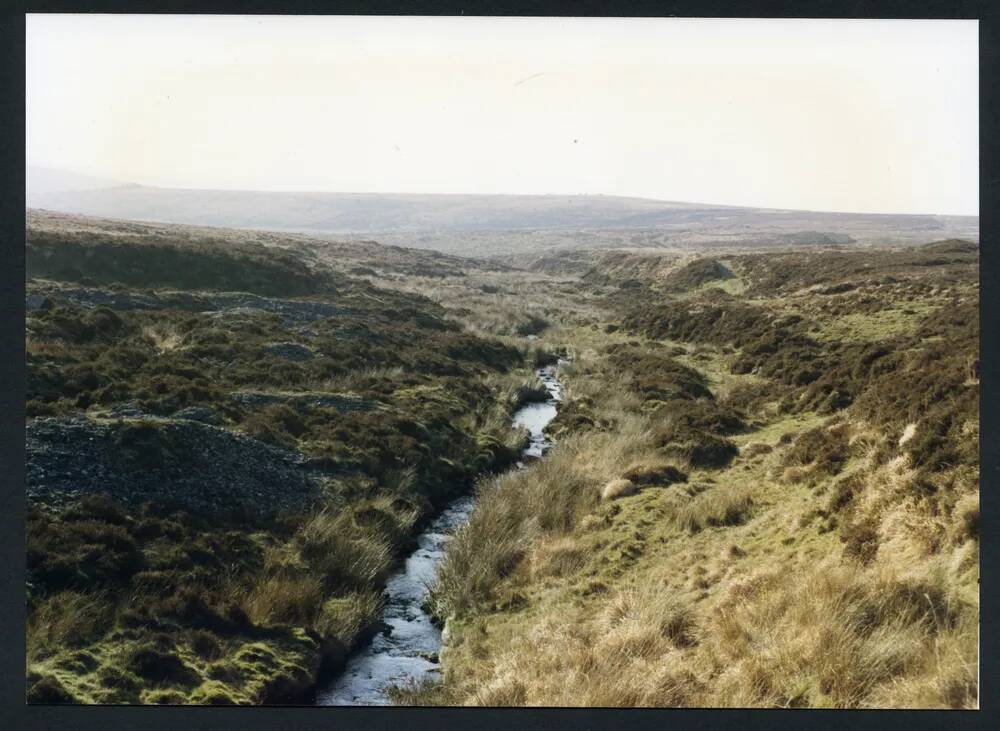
pixel 743 509
pixel 220 483
pixel 764 489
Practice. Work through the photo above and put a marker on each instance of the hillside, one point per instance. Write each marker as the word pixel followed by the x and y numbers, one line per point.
pixel 229 446
pixel 763 489
pixel 764 494
pixel 491 225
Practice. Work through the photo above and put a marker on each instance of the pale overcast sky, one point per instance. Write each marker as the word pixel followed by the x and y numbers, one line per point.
pixel 866 115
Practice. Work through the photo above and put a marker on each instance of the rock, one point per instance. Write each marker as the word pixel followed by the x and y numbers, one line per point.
pixel 204 414
pixel 339 401
pixel 37 302
pixel 297 312
pixel 200 467
pixel 127 410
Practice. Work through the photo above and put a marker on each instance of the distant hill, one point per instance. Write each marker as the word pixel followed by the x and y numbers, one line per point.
pixel 42 181
pixel 368 212
pixel 484 225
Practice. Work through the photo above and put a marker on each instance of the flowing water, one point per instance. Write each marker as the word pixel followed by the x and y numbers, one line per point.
pixel 407 649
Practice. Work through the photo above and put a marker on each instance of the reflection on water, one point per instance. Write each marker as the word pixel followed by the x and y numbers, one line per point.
pixel 407 649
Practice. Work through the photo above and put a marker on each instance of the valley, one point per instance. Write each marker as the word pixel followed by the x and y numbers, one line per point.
pixel 762 489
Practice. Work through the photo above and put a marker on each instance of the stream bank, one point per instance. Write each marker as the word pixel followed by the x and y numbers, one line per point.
pixel 407 649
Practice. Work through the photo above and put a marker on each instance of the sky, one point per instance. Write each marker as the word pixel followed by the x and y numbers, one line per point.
pixel 843 115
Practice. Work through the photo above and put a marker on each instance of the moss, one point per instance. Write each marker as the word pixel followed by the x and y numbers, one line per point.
pixel 205 645
pixel 214 693
pixel 80 662
pixel 163 697
pixel 152 664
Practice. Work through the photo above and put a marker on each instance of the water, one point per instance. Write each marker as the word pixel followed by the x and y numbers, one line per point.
pixel 536 416
pixel 407 650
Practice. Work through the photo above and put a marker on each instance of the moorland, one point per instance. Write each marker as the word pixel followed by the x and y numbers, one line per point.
pixel 763 490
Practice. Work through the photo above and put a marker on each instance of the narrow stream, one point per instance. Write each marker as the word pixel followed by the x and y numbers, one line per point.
pixel 408 649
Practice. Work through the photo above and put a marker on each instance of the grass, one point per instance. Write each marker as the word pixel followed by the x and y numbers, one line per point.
pixel 719 507
pixel 790 512
pixel 828 562
pixel 399 407
pixel 876 326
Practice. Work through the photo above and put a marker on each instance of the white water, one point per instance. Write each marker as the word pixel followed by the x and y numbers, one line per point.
pixel 407 650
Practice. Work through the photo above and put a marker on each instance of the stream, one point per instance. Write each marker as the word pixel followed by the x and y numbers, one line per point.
pixel 407 650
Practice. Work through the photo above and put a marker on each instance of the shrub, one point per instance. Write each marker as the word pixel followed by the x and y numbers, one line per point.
pixel 696 273
pixel 702 414
pixel 657 377
pixel 843 493
pixel 861 540
pixel 80 553
pixel 714 317
pixel 825 449
pixel 970 523
pixel 697 449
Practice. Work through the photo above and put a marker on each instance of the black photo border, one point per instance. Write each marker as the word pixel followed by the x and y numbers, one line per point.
pixel 16 714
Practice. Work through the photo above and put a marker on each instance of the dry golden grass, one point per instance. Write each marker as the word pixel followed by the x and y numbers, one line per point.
pixel 66 619
pixel 165 337
pixel 548 499
pixel 826 637
pixel 619 487
pixel 835 636
pixel 340 551
pixel 292 597
pixel 718 507
pixel 737 588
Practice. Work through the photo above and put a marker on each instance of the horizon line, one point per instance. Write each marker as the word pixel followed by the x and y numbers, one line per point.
pixel 673 201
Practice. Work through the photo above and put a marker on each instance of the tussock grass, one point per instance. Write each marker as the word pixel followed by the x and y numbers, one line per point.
pixel 548 498
pixel 823 552
pixel 349 617
pixel 285 598
pixel 836 637
pixel 721 506
pixel 67 619
pixel 345 554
